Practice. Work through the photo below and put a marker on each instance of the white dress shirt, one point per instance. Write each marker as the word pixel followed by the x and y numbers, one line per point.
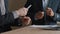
pixel 3 10
pixel 45 3
pixel 2 6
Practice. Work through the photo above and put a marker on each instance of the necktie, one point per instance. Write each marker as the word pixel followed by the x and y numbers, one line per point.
pixel 45 3
pixel 2 7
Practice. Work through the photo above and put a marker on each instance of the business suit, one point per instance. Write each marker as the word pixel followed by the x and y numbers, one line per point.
pixel 54 4
pixel 37 6
pixel 6 20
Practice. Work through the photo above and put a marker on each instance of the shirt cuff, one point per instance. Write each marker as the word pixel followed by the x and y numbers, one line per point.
pixel 58 17
pixel 15 15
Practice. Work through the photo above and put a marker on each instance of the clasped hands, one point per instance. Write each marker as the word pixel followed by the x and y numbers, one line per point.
pixel 22 12
pixel 40 14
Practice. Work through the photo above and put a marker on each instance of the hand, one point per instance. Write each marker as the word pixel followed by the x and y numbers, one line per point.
pixel 49 12
pixel 22 11
pixel 39 15
pixel 26 21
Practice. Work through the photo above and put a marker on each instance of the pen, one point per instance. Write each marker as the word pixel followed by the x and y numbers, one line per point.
pixel 29 6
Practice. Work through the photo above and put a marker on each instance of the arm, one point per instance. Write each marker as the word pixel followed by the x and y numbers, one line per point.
pixel 56 17
pixel 51 14
pixel 7 19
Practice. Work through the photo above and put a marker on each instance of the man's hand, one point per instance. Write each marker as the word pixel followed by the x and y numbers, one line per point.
pixel 26 20
pixel 39 15
pixel 49 12
pixel 22 11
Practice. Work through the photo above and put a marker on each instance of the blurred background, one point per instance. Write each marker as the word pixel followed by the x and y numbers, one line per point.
pixel 15 4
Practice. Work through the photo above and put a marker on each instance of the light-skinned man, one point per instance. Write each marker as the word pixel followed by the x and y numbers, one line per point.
pixel 7 19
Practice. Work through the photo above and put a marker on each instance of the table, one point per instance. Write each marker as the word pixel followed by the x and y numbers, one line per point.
pixel 29 30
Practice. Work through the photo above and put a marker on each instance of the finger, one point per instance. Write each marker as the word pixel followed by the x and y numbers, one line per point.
pixel 42 12
pixel 25 11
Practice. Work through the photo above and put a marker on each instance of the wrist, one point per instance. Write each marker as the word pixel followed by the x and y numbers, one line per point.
pixel 15 14
pixel 52 15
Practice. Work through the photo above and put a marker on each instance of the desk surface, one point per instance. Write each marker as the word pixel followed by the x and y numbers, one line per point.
pixel 29 30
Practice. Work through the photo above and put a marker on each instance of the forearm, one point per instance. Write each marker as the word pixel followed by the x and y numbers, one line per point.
pixel 56 17
pixel 8 19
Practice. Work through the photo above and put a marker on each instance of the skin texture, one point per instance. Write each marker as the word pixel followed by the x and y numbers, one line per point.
pixel 39 15
pixel 22 11
pixel 49 12
pixel 25 20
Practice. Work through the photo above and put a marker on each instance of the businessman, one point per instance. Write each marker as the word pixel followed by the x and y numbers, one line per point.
pixel 42 15
pixel 7 19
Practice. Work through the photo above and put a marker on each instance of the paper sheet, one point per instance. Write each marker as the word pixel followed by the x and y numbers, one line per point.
pixel 44 26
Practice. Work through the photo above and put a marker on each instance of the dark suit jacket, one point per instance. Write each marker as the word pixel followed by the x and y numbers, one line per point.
pixel 54 4
pixel 6 20
pixel 37 6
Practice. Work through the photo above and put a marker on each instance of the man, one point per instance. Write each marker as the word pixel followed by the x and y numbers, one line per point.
pixel 7 19
pixel 38 14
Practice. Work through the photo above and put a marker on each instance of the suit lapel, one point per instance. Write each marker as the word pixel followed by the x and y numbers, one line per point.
pixel 53 4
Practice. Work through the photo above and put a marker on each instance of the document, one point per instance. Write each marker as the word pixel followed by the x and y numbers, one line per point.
pixel 44 26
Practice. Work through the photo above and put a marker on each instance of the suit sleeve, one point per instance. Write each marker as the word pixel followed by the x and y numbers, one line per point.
pixel 7 19
pixel 56 17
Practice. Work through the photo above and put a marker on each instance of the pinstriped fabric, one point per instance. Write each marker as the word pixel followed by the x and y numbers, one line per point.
pixel 53 4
